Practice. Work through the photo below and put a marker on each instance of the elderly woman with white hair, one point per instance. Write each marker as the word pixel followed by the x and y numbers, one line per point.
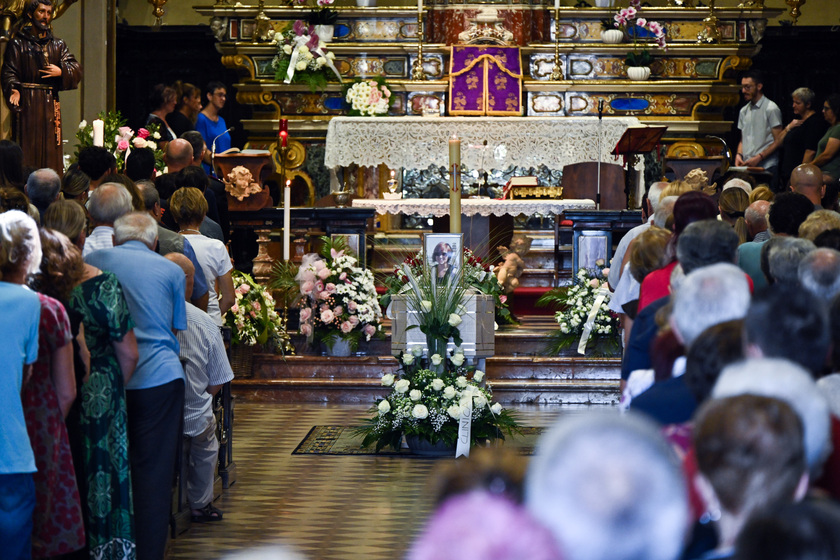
pixel 801 136
pixel 47 397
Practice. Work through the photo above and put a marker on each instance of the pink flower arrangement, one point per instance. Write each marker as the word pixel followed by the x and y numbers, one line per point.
pixel 627 19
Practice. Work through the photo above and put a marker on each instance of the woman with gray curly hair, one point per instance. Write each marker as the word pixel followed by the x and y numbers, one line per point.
pixel 800 137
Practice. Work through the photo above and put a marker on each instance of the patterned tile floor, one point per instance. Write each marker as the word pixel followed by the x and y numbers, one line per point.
pixel 327 507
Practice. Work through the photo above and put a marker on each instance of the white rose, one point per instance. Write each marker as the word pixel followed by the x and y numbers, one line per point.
pixel 388 379
pixel 320 61
pixel 461 381
pixel 156 135
pixel 496 408
pixel 303 49
pixel 287 49
pixel 426 305
pixel 478 376
pixel 437 384
pixel 454 320
pixel 420 411
pixel 331 55
pixel 384 406
pixel 457 359
pixel 82 124
pixel 401 386
pixel 151 145
pixel 415 395
pixel 454 411
pixel 480 400
pixel 417 351
pixel 436 359
pixel 301 65
pixel 449 392
pixel 408 359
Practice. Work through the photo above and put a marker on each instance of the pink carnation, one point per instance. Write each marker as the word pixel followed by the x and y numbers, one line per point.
pixel 143 133
pixel 346 327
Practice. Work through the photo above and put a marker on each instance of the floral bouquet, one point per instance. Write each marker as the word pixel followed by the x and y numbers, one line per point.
pixel 428 404
pixel 368 98
pixel 252 319
pixel 338 297
pixel 303 58
pixel 477 275
pixel 627 20
pixel 585 319
pixel 119 139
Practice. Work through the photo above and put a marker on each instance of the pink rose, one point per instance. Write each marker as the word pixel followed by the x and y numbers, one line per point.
pixel 257 306
pixel 305 313
pixel 605 272
pixel 324 273
pixel 122 145
pixel 346 327
pixel 125 131
pixel 143 133
pixel 253 315
pixel 594 283
pixel 370 330
pixel 319 265
pixel 306 330
pixel 338 310
pixel 353 320
pixel 307 287
pixel 323 307
pixel 352 306
pixel 327 316
pixel 235 308
pixel 502 298
pixel 324 295
pixel 330 287
pixel 246 288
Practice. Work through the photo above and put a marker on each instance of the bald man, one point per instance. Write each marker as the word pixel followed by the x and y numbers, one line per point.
pixel 207 369
pixel 807 179
pixel 179 154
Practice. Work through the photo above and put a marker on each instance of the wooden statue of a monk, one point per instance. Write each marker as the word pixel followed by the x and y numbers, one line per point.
pixel 36 67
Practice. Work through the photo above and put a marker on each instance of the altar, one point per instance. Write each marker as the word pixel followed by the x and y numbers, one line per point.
pixel 420 142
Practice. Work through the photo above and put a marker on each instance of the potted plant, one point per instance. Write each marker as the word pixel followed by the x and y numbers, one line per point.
pixel 609 33
pixel 323 19
pixel 339 304
pixel 302 57
pixel 586 323
pixel 638 61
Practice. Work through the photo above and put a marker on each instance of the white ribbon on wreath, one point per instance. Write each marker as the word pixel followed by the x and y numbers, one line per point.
pixel 600 296
pixel 302 40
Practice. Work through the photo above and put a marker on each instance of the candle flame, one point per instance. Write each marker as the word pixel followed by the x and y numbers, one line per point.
pixel 288 183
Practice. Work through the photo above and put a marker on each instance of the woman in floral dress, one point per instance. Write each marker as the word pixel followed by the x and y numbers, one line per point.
pixel 47 396
pixel 99 304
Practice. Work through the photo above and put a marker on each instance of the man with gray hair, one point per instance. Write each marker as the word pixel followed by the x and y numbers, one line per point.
pixel 609 488
pixel 788 382
pixel 107 202
pixel 749 254
pixel 783 259
pixel 154 290
pixel 42 187
pixel 819 273
pixel 647 216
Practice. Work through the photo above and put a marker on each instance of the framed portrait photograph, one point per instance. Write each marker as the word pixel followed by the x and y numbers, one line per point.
pixel 444 253
pixel 353 241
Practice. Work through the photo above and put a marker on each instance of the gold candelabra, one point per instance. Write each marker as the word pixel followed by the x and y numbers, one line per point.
pixel 795 12
pixel 417 72
pixel 286 346
pixel 556 73
pixel 711 27
pixel 262 27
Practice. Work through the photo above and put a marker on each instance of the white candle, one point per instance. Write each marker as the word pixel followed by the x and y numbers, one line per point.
pixel 98 133
pixel 419 5
pixel 556 4
pixel 287 218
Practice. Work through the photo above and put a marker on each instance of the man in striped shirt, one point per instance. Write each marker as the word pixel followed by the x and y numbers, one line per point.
pixel 207 369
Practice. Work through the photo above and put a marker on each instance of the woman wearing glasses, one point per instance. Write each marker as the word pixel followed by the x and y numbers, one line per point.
pixel 828 149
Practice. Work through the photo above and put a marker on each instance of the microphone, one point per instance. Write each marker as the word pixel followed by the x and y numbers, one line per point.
pixel 600 108
pixel 213 150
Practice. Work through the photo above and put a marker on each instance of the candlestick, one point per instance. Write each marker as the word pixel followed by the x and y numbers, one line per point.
pixel 454 184
pixel 556 73
pixel 284 125
pixel 287 218
pixel 98 133
pixel 417 72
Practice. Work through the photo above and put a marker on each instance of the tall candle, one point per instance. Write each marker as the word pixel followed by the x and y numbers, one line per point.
pixel 419 5
pixel 284 138
pixel 284 125
pixel 454 184
pixel 287 218
pixel 556 4
pixel 98 133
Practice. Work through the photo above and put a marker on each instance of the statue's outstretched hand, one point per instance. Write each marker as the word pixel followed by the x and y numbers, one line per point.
pixel 51 71
pixel 14 98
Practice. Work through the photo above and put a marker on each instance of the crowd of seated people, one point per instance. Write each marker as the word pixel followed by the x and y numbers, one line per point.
pixel 108 367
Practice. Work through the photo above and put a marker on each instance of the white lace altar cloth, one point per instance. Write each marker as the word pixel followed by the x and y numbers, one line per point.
pixel 439 207
pixel 418 142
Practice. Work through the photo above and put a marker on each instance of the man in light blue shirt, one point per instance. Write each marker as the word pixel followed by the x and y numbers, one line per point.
pixel 154 291
pixel 760 123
